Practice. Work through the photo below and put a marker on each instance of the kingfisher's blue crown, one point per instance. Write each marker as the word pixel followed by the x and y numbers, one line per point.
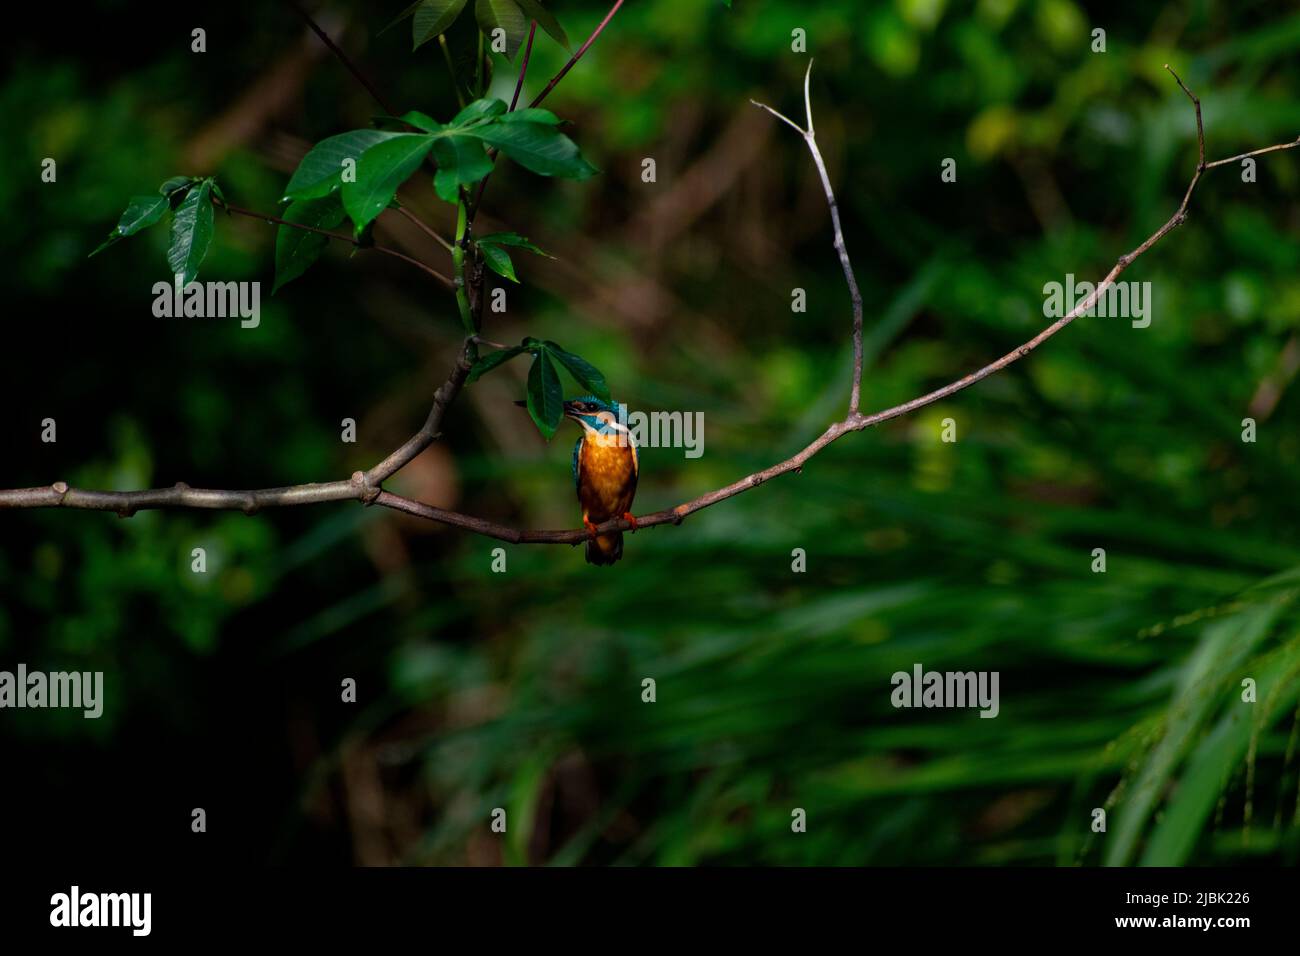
pixel 601 404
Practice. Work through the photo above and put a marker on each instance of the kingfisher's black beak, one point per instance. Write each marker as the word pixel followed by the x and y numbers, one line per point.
pixel 522 404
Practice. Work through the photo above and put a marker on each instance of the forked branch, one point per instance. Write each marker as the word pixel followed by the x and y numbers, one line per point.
pixel 367 486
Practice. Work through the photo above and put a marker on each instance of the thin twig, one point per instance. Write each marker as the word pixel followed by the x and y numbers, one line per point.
pixel 855 295
pixel 514 101
pixel 1254 152
pixel 365 486
pixel 492 154
pixel 523 64
pixel 577 56
pixel 428 270
pixel 425 227
pixel 386 250
pixel 1200 127
pixel 343 58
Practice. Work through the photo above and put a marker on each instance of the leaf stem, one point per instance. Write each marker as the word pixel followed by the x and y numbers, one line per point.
pixel 523 65
pixel 276 220
pixel 458 259
pixel 478 67
pixel 451 69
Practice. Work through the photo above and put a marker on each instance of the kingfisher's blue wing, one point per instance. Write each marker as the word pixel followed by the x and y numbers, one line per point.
pixel 577 460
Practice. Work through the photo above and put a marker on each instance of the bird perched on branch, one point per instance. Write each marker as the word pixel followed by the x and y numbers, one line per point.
pixel 605 472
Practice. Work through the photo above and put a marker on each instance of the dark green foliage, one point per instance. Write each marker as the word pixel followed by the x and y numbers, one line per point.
pixel 297 249
pixel 381 161
pixel 496 258
pixel 432 18
pixel 545 392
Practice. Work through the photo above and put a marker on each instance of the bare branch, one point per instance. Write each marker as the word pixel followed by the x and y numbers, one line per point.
pixel 855 295
pixel 429 431
pixel 362 486
pixel 366 486
pixel 1200 127
pixel 1254 152
pixel 783 118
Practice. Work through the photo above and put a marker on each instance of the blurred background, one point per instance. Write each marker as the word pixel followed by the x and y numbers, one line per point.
pixel 522 690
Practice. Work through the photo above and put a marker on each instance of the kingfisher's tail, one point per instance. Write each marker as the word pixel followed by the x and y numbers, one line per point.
pixel 605 548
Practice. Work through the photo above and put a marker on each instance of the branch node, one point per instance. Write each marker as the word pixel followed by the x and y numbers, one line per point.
pixel 365 490
pixel 61 489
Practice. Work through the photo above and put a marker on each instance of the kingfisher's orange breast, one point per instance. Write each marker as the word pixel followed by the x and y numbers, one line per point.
pixel 606 478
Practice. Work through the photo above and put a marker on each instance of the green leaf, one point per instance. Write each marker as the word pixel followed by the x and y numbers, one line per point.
pixel 380 171
pixel 532 114
pixel 536 146
pixel 191 233
pixel 421 121
pixel 1224 646
pixel 545 396
pixel 487 363
pixel 461 161
pixel 433 17
pixel 1204 781
pixel 545 19
pixel 504 15
pixel 510 239
pixel 498 260
pixel 586 374
pixel 141 212
pixel 320 172
pixel 480 109
pixel 175 185
pixel 297 249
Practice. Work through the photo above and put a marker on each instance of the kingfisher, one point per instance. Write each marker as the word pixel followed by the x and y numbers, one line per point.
pixel 604 473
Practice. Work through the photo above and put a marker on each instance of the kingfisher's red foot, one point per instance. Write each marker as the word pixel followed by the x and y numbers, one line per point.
pixel 591 529
pixel 630 519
